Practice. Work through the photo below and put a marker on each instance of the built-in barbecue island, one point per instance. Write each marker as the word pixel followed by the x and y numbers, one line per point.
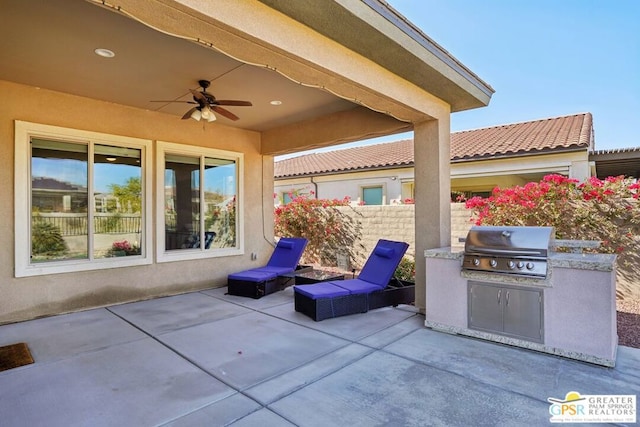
pixel 510 285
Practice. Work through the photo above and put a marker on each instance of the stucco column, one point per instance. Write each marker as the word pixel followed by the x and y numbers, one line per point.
pixel 431 142
pixel 267 197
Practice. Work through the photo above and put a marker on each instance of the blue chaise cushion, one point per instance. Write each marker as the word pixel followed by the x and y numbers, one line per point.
pixel 384 252
pixel 287 252
pixel 285 244
pixel 260 274
pixel 382 262
pixel 357 286
pixel 321 290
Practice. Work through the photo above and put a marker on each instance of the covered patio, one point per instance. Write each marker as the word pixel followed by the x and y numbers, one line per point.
pixel 206 358
pixel 100 87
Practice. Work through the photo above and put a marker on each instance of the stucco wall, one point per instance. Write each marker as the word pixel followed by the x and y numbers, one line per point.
pixel 472 176
pixel 398 223
pixel 339 186
pixel 35 296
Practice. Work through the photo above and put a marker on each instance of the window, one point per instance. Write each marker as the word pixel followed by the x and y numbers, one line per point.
pixel 287 197
pixel 81 200
pixel 408 190
pixel 198 207
pixel 372 195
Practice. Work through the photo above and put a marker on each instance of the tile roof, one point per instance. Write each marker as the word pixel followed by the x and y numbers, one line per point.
pixel 394 154
pixel 510 140
pixel 557 133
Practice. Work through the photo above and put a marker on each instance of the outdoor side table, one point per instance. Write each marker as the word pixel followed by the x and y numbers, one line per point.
pixel 316 276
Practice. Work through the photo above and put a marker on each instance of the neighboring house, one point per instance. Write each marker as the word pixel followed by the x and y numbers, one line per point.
pixel 78 80
pixel 481 159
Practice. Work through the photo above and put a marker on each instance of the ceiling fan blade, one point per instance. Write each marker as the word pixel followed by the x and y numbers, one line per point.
pixel 181 102
pixel 187 115
pixel 233 103
pixel 226 113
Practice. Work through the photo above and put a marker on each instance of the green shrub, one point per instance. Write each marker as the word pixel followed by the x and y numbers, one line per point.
pixel 406 270
pixel 46 239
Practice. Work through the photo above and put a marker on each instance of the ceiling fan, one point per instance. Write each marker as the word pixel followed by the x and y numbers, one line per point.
pixel 206 104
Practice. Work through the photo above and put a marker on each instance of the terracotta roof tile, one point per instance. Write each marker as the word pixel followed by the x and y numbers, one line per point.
pixel 399 153
pixel 558 133
pixel 528 137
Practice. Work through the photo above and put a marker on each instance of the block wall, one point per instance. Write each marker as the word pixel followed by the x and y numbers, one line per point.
pixel 397 222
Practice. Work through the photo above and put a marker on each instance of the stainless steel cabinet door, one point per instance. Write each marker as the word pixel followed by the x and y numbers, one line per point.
pixel 485 308
pixel 523 313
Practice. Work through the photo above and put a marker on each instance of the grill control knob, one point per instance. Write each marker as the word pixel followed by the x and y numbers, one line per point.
pixel 493 263
pixel 511 265
pixel 476 262
pixel 530 266
pixel 520 265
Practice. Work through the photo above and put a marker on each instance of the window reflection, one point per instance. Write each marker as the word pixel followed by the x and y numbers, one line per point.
pixel 117 220
pixel 191 215
pixel 182 202
pixel 220 201
pixel 59 200
pixel 60 222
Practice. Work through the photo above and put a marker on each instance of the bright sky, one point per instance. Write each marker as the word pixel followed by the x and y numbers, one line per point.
pixel 544 58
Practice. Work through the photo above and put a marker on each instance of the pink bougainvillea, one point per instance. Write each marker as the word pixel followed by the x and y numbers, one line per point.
pixel 604 210
pixel 324 223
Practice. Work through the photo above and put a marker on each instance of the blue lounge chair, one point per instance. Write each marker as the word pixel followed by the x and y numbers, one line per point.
pixel 372 289
pixel 261 281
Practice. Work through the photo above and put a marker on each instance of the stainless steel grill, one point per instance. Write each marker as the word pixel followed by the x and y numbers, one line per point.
pixel 521 251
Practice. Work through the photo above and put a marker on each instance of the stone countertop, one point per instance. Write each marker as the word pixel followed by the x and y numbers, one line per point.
pixel 582 261
pixel 446 253
pixel 596 262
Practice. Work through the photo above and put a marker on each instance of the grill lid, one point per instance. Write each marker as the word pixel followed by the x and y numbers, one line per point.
pixel 509 241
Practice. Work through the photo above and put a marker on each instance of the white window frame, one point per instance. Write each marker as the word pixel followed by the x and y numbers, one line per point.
pixel 163 148
pixel 24 131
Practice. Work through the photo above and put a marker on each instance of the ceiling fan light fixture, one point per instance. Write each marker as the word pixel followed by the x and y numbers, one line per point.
pixel 207 114
pixel 196 115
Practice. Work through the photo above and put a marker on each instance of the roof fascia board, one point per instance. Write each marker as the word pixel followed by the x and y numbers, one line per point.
pixel 360 26
pixel 427 43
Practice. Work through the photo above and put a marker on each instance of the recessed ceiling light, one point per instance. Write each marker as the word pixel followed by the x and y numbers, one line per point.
pixel 105 53
pixel 276 102
pixel 111 159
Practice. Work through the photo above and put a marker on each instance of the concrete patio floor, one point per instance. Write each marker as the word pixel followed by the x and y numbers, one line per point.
pixel 210 359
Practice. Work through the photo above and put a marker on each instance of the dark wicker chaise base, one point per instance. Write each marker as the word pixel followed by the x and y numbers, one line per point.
pixel 396 293
pixel 326 308
pixel 256 290
pixel 244 288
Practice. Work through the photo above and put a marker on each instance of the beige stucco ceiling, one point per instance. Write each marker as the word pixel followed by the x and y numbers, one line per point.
pixel 254 51
pixel 51 43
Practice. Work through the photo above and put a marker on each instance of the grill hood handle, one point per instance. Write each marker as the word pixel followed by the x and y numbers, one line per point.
pixel 484 251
